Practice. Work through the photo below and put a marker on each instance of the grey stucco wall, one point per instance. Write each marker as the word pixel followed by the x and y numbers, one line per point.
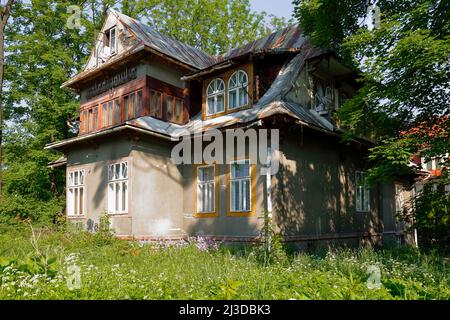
pixel 313 194
pixel 314 190
pixel 94 159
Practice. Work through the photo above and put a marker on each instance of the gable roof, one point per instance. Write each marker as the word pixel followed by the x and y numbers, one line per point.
pixel 274 102
pixel 290 39
pixel 164 44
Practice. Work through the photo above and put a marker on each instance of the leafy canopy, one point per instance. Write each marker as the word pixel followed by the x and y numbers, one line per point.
pixel 42 52
pixel 405 72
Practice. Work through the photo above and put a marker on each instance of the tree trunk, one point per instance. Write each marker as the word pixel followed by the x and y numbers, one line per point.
pixel 4 16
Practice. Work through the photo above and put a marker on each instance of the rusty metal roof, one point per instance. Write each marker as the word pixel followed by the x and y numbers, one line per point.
pixel 165 44
pixel 288 39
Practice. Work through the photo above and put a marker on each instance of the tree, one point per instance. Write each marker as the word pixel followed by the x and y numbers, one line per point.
pixel 5 13
pixel 405 72
pixel 43 52
pixel 214 26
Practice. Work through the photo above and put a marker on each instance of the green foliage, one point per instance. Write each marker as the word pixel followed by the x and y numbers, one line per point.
pixel 391 158
pixel 432 215
pixel 214 26
pixel 271 250
pixel 129 270
pixel 42 52
pixel 329 22
pixel 405 71
pixel 104 235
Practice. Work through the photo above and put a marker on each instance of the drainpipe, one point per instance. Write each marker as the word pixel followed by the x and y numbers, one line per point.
pixel 269 182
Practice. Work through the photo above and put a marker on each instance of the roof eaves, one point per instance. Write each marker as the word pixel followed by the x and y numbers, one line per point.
pixel 60 144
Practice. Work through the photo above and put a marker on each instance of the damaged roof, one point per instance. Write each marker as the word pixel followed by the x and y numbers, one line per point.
pixel 274 102
pixel 165 44
pixel 290 39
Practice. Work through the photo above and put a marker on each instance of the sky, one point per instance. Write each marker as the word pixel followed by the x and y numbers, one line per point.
pixel 280 8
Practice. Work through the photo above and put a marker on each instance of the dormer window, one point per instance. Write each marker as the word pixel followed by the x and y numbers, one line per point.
pixel 215 97
pixel 111 40
pixel 238 90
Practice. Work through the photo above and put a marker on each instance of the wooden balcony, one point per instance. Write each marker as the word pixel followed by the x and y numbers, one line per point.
pixel 141 97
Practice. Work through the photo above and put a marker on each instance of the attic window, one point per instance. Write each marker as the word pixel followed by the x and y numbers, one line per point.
pixel 111 40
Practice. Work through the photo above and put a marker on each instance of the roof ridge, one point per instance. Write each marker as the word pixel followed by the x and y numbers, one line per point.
pixel 295 25
pixel 137 21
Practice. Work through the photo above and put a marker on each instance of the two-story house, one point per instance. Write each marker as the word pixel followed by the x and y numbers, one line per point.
pixel 140 89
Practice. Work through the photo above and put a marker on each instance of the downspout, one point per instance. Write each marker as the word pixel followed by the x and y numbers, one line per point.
pixel 269 182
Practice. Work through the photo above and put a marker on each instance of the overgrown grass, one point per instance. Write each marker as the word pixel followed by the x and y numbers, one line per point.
pixel 44 266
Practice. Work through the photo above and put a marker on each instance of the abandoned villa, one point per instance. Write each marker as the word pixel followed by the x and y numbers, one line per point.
pixel 140 89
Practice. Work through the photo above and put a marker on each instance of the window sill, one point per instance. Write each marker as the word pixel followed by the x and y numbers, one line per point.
pixel 241 214
pixel 362 212
pixel 118 214
pixel 226 112
pixel 74 217
pixel 206 215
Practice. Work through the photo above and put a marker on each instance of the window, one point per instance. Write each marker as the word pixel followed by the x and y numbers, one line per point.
pixel 240 186
pixel 206 189
pixel 117 116
pixel 399 200
pixel 179 110
pixel 118 188
pixel 362 193
pixel 133 105
pixel 75 193
pixel 155 104
pixel 170 106
pixel 108 112
pixel 174 109
pixel 105 118
pixel 111 40
pixel 238 90
pixel 215 97
pixel 84 121
pixel 139 103
pixel 93 119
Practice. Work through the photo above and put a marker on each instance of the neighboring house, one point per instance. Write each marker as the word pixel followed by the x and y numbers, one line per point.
pixel 429 170
pixel 140 89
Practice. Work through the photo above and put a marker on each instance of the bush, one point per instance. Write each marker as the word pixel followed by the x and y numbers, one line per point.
pixel 23 207
pixel 432 215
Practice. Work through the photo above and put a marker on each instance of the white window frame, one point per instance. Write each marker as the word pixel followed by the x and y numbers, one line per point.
pixel 112 49
pixel 75 186
pixel 116 181
pixel 240 181
pixel 211 192
pixel 236 86
pixel 362 192
pixel 213 91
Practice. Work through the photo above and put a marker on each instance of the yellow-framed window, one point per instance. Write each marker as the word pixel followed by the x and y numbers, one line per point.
pixel 206 190
pixel 241 188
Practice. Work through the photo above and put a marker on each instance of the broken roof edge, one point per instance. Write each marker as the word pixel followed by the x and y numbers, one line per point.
pixel 230 62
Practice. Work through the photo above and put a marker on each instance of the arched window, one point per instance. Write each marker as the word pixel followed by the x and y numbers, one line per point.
pixel 215 97
pixel 238 90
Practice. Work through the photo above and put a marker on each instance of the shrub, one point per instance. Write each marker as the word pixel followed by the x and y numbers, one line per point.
pixel 432 215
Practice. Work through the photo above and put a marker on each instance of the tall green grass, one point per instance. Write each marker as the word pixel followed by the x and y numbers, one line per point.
pixel 41 266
